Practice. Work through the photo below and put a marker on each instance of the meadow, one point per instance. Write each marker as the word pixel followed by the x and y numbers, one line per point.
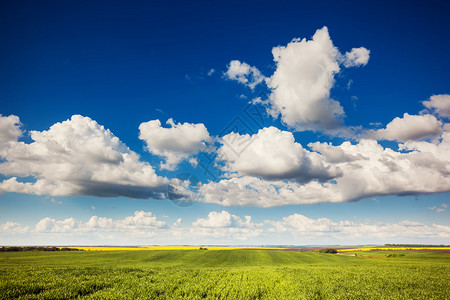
pixel 224 274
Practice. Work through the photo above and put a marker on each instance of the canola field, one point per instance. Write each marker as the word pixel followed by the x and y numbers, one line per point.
pixel 223 274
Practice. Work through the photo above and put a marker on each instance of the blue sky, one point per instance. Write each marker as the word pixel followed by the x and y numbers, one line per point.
pixel 295 122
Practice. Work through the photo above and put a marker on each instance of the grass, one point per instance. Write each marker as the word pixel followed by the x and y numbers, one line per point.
pixel 223 274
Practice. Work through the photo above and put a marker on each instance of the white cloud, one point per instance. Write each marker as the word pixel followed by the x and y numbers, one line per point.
pixel 9 132
pixel 54 201
pixel 410 127
pixel 273 154
pixel 142 227
pixel 215 219
pixel 223 219
pixel 301 84
pixel 244 73
pixel 224 226
pixel 140 222
pixel 223 236
pixel 443 208
pixel 253 191
pixel 307 228
pixel 367 168
pixel 193 161
pixel 177 143
pixel 302 81
pixel 439 104
pixel 211 71
pixel 382 171
pixel 13 228
pixel 356 57
pixel 140 219
pixel 177 222
pixel 52 225
pixel 220 228
pixel 336 154
pixel 78 157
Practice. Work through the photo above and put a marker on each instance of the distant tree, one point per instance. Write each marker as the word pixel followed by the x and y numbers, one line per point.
pixel 328 250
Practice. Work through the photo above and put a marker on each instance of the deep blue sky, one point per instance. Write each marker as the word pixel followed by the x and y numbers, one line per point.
pixel 123 63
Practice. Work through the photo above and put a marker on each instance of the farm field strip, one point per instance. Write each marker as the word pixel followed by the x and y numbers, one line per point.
pixel 221 274
pixel 339 249
pixel 393 249
pixel 107 248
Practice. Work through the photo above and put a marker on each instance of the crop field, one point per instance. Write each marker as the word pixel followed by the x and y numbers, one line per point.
pixel 224 274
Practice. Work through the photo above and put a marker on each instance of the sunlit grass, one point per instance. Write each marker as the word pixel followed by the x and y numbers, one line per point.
pixel 222 274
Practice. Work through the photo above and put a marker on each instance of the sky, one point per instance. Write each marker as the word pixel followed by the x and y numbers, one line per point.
pixel 224 123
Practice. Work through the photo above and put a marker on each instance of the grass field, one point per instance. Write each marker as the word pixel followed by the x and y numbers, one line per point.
pixel 223 274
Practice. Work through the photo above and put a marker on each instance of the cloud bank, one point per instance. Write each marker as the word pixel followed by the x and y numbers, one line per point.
pixel 366 169
pixel 218 228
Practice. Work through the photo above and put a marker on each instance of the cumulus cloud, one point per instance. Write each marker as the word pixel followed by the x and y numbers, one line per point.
pixel 274 155
pixel 356 57
pixel 13 228
pixel 410 127
pixel 223 226
pixel 223 219
pixel 383 171
pixel 439 104
pixel 140 219
pixel 52 225
pixel 244 73
pixel 9 131
pixel 300 86
pixel 367 168
pixel 140 222
pixel 302 81
pixel 77 157
pixel 176 143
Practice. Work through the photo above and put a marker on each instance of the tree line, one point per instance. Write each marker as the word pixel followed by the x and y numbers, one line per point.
pixel 35 248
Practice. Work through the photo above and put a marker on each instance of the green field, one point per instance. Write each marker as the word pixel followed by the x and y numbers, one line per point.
pixel 223 274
